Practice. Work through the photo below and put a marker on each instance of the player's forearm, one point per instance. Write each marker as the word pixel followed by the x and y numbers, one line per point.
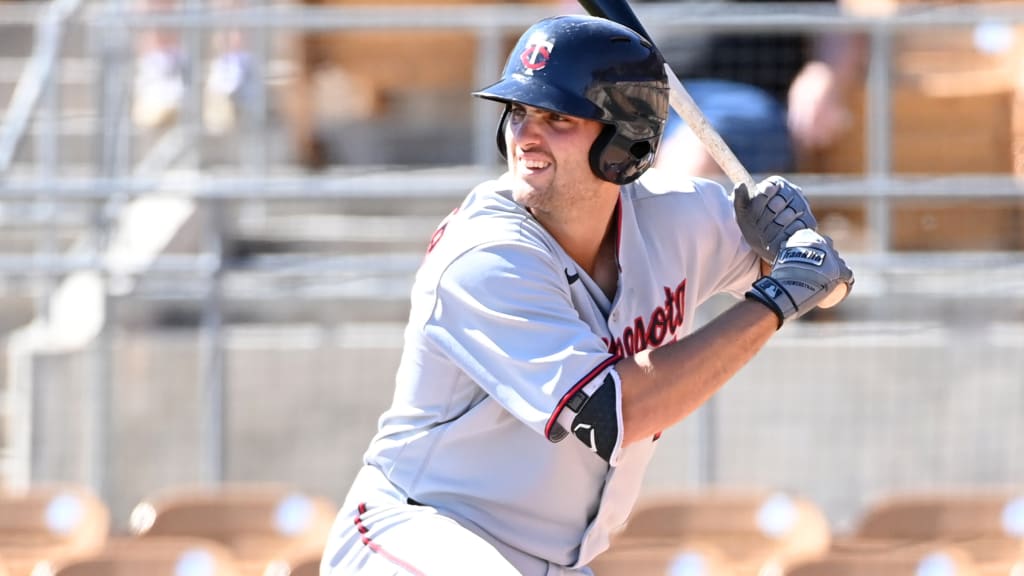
pixel 663 386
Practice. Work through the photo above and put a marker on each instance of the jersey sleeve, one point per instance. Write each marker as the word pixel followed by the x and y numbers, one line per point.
pixel 504 315
pixel 738 265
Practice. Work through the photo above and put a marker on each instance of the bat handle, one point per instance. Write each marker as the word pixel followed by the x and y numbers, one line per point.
pixel 683 104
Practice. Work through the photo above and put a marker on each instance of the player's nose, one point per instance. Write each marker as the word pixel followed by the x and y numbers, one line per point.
pixel 527 131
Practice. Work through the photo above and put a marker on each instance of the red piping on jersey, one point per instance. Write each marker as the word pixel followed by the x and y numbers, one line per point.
pixel 615 357
pixel 583 382
pixel 377 549
pixel 618 232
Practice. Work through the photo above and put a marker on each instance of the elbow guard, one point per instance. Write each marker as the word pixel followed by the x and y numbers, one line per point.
pixel 592 415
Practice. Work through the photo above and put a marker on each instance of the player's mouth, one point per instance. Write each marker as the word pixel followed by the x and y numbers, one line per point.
pixel 532 165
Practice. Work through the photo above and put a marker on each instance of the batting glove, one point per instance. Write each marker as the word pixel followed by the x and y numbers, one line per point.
pixel 807 269
pixel 776 210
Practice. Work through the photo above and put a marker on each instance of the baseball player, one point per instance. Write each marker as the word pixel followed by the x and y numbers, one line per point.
pixel 551 339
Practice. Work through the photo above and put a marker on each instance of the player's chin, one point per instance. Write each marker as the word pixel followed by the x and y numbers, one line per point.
pixel 523 194
pixel 525 188
pixel 524 181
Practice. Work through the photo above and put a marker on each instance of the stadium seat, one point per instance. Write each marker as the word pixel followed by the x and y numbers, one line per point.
pixel 916 562
pixel 967 514
pixel 754 529
pixel 987 524
pixel 258 523
pixel 380 68
pixel 988 558
pixel 976 138
pixel 652 559
pixel 49 522
pixel 951 103
pixel 305 565
pixel 955 109
pixel 157 556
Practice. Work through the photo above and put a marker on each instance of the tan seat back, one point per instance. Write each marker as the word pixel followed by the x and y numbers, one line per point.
pixel 48 522
pixel 993 514
pixel 258 523
pixel 749 525
pixel 652 559
pixel 406 59
pixel 304 565
pixel 990 557
pixel 68 515
pixel 157 556
pixel 309 567
pixel 986 525
pixel 913 562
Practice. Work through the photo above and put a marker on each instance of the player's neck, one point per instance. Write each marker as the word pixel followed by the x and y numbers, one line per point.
pixel 606 266
pixel 590 238
pixel 582 233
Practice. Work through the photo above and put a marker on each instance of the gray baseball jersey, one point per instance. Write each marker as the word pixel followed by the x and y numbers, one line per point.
pixel 505 328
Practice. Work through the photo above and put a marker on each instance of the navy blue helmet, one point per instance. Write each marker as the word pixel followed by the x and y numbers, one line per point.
pixel 592 68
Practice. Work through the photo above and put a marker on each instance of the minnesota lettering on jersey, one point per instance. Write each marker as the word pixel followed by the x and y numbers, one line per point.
pixel 663 321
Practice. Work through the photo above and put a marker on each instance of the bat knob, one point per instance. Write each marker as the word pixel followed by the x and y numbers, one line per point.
pixel 835 296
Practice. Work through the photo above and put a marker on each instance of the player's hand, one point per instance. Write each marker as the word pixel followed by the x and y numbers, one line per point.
pixel 807 269
pixel 769 216
pixel 817 114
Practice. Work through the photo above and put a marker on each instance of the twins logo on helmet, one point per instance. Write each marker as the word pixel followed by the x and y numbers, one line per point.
pixel 537 52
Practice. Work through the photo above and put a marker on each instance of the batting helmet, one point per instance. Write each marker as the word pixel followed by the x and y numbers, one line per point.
pixel 591 68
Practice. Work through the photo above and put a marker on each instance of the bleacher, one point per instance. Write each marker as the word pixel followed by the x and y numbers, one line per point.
pixel 266 529
pixel 955 109
pixel 215 296
pixel 238 530
pixel 755 532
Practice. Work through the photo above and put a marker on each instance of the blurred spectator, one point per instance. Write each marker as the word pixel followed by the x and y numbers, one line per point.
pixel 162 68
pixel 771 96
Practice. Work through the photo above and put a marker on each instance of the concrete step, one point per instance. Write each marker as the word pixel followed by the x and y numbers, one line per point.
pixel 335 233
pixel 280 288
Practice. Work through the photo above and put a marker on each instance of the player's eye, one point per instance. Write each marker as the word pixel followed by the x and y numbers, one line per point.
pixel 517 113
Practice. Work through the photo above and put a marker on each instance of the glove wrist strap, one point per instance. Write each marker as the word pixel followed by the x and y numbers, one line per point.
pixel 769 291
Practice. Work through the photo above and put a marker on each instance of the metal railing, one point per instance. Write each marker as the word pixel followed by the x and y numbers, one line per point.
pixel 118 181
pixel 37 85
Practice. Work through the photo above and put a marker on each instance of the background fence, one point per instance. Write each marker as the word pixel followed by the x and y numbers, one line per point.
pixel 182 304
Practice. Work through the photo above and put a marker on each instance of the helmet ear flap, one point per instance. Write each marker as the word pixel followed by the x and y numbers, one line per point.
pixel 501 132
pixel 618 159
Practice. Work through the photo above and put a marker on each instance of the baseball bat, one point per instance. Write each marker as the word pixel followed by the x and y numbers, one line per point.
pixel 620 11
